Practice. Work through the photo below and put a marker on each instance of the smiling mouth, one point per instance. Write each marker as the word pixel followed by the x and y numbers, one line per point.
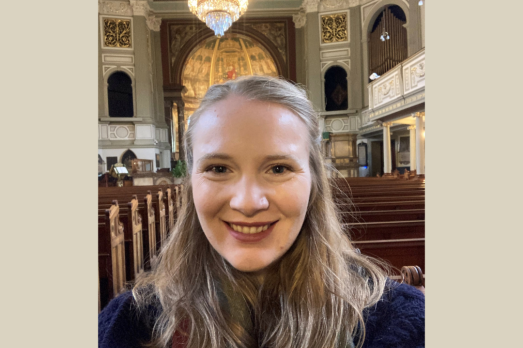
pixel 250 229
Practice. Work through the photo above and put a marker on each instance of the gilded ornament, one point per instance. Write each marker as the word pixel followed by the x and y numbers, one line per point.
pixel 334 28
pixel 117 33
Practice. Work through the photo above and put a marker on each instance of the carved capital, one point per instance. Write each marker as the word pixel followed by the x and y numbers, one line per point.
pixel 310 5
pixel 140 8
pixel 122 8
pixel 419 114
pixel 299 19
pixel 153 23
pixel 412 128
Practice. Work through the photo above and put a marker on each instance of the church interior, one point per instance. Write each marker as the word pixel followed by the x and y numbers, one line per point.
pixel 362 63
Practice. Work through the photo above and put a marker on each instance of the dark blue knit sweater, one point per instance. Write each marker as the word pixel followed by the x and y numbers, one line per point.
pixel 397 320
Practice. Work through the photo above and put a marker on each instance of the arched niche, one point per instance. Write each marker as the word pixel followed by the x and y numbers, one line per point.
pixel 107 75
pixel 377 10
pixel 120 95
pixel 384 55
pixel 217 60
pixel 335 88
pixel 127 159
pixel 202 33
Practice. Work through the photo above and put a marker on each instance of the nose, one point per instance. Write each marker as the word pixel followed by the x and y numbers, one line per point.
pixel 249 197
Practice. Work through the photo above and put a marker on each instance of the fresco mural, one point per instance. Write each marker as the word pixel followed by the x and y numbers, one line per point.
pixel 219 60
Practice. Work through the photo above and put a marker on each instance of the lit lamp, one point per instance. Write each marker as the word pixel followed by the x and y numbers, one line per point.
pixel 374 76
pixel 218 14
pixel 119 172
pixel 384 35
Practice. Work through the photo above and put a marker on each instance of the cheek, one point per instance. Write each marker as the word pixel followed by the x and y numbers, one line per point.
pixel 205 199
pixel 293 198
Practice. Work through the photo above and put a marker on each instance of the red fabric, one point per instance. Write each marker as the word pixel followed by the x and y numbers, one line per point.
pixel 179 339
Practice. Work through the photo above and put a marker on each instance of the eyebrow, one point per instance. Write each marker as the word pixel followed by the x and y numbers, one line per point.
pixel 223 156
pixel 214 155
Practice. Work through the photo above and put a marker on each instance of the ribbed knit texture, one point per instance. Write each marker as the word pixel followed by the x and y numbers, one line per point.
pixel 397 320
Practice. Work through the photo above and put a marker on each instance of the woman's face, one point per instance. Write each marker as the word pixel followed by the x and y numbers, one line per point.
pixel 250 180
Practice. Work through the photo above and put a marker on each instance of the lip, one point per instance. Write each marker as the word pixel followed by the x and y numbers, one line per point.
pixel 251 224
pixel 250 238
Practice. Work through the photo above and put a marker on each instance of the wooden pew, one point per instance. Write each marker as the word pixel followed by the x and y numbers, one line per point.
pixel 413 275
pixel 385 230
pixel 169 203
pixel 111 255
pixel 149 238
pixel 133 240
pixel 397 252
pixel 383 215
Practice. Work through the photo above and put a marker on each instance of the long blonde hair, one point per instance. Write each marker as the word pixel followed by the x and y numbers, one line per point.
pixel 312 297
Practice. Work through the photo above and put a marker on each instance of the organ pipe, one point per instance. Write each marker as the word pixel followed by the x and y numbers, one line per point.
pixel 385 55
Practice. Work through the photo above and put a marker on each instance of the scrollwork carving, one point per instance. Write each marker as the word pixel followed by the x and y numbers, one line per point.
pixel 334 28
pixel 179 36
pixel 117 33
pixel 276 33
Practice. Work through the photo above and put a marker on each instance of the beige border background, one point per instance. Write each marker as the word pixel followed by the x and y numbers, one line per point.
pixel 49 100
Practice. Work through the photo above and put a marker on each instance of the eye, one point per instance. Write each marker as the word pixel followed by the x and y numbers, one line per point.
pixel 218 169
pixel 279 169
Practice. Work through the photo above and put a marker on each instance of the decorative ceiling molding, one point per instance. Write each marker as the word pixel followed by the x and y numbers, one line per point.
pixel 130 8
pixel 140 8
pixel 326 5
pixel 310 5
pixel 122 8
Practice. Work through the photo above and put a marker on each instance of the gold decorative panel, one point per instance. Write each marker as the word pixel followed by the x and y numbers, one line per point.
pixel 334 28
pixel 117 33
pixel 217 60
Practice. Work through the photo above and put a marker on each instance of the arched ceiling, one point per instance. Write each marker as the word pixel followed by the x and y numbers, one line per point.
pixel 217 60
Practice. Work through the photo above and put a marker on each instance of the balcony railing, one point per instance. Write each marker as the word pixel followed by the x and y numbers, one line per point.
pixel 401 87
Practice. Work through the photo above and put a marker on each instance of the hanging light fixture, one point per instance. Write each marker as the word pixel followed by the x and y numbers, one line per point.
pixel 384 35
pixel 420 2
pixel 218 14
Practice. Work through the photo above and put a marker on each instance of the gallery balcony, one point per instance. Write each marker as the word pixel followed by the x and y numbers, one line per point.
pixel 397 91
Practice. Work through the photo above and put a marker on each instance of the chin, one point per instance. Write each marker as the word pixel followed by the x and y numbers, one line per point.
pixel 248 265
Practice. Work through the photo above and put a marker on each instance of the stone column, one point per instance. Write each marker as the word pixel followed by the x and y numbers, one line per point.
pixel 143 72
pixel 387 157
pixel 173 94
pixel 168 118
pixel 312 54
pixel 420 144
pixel 412 139
pixel 181 127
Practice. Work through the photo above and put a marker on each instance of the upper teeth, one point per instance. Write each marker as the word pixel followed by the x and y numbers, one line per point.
pixel 249 230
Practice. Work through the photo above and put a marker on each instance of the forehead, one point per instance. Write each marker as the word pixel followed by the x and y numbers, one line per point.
pixel 237 124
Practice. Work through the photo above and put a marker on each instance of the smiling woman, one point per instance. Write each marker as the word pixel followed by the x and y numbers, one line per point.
pixel 258 257
pixel 250 199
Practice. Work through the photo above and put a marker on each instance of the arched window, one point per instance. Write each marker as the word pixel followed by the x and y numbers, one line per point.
pixel 127 160
pixel 120 95
pixel 386 54
pixel 336 95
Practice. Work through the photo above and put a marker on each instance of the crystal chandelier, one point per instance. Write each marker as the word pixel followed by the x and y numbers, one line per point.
pixel 218 14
